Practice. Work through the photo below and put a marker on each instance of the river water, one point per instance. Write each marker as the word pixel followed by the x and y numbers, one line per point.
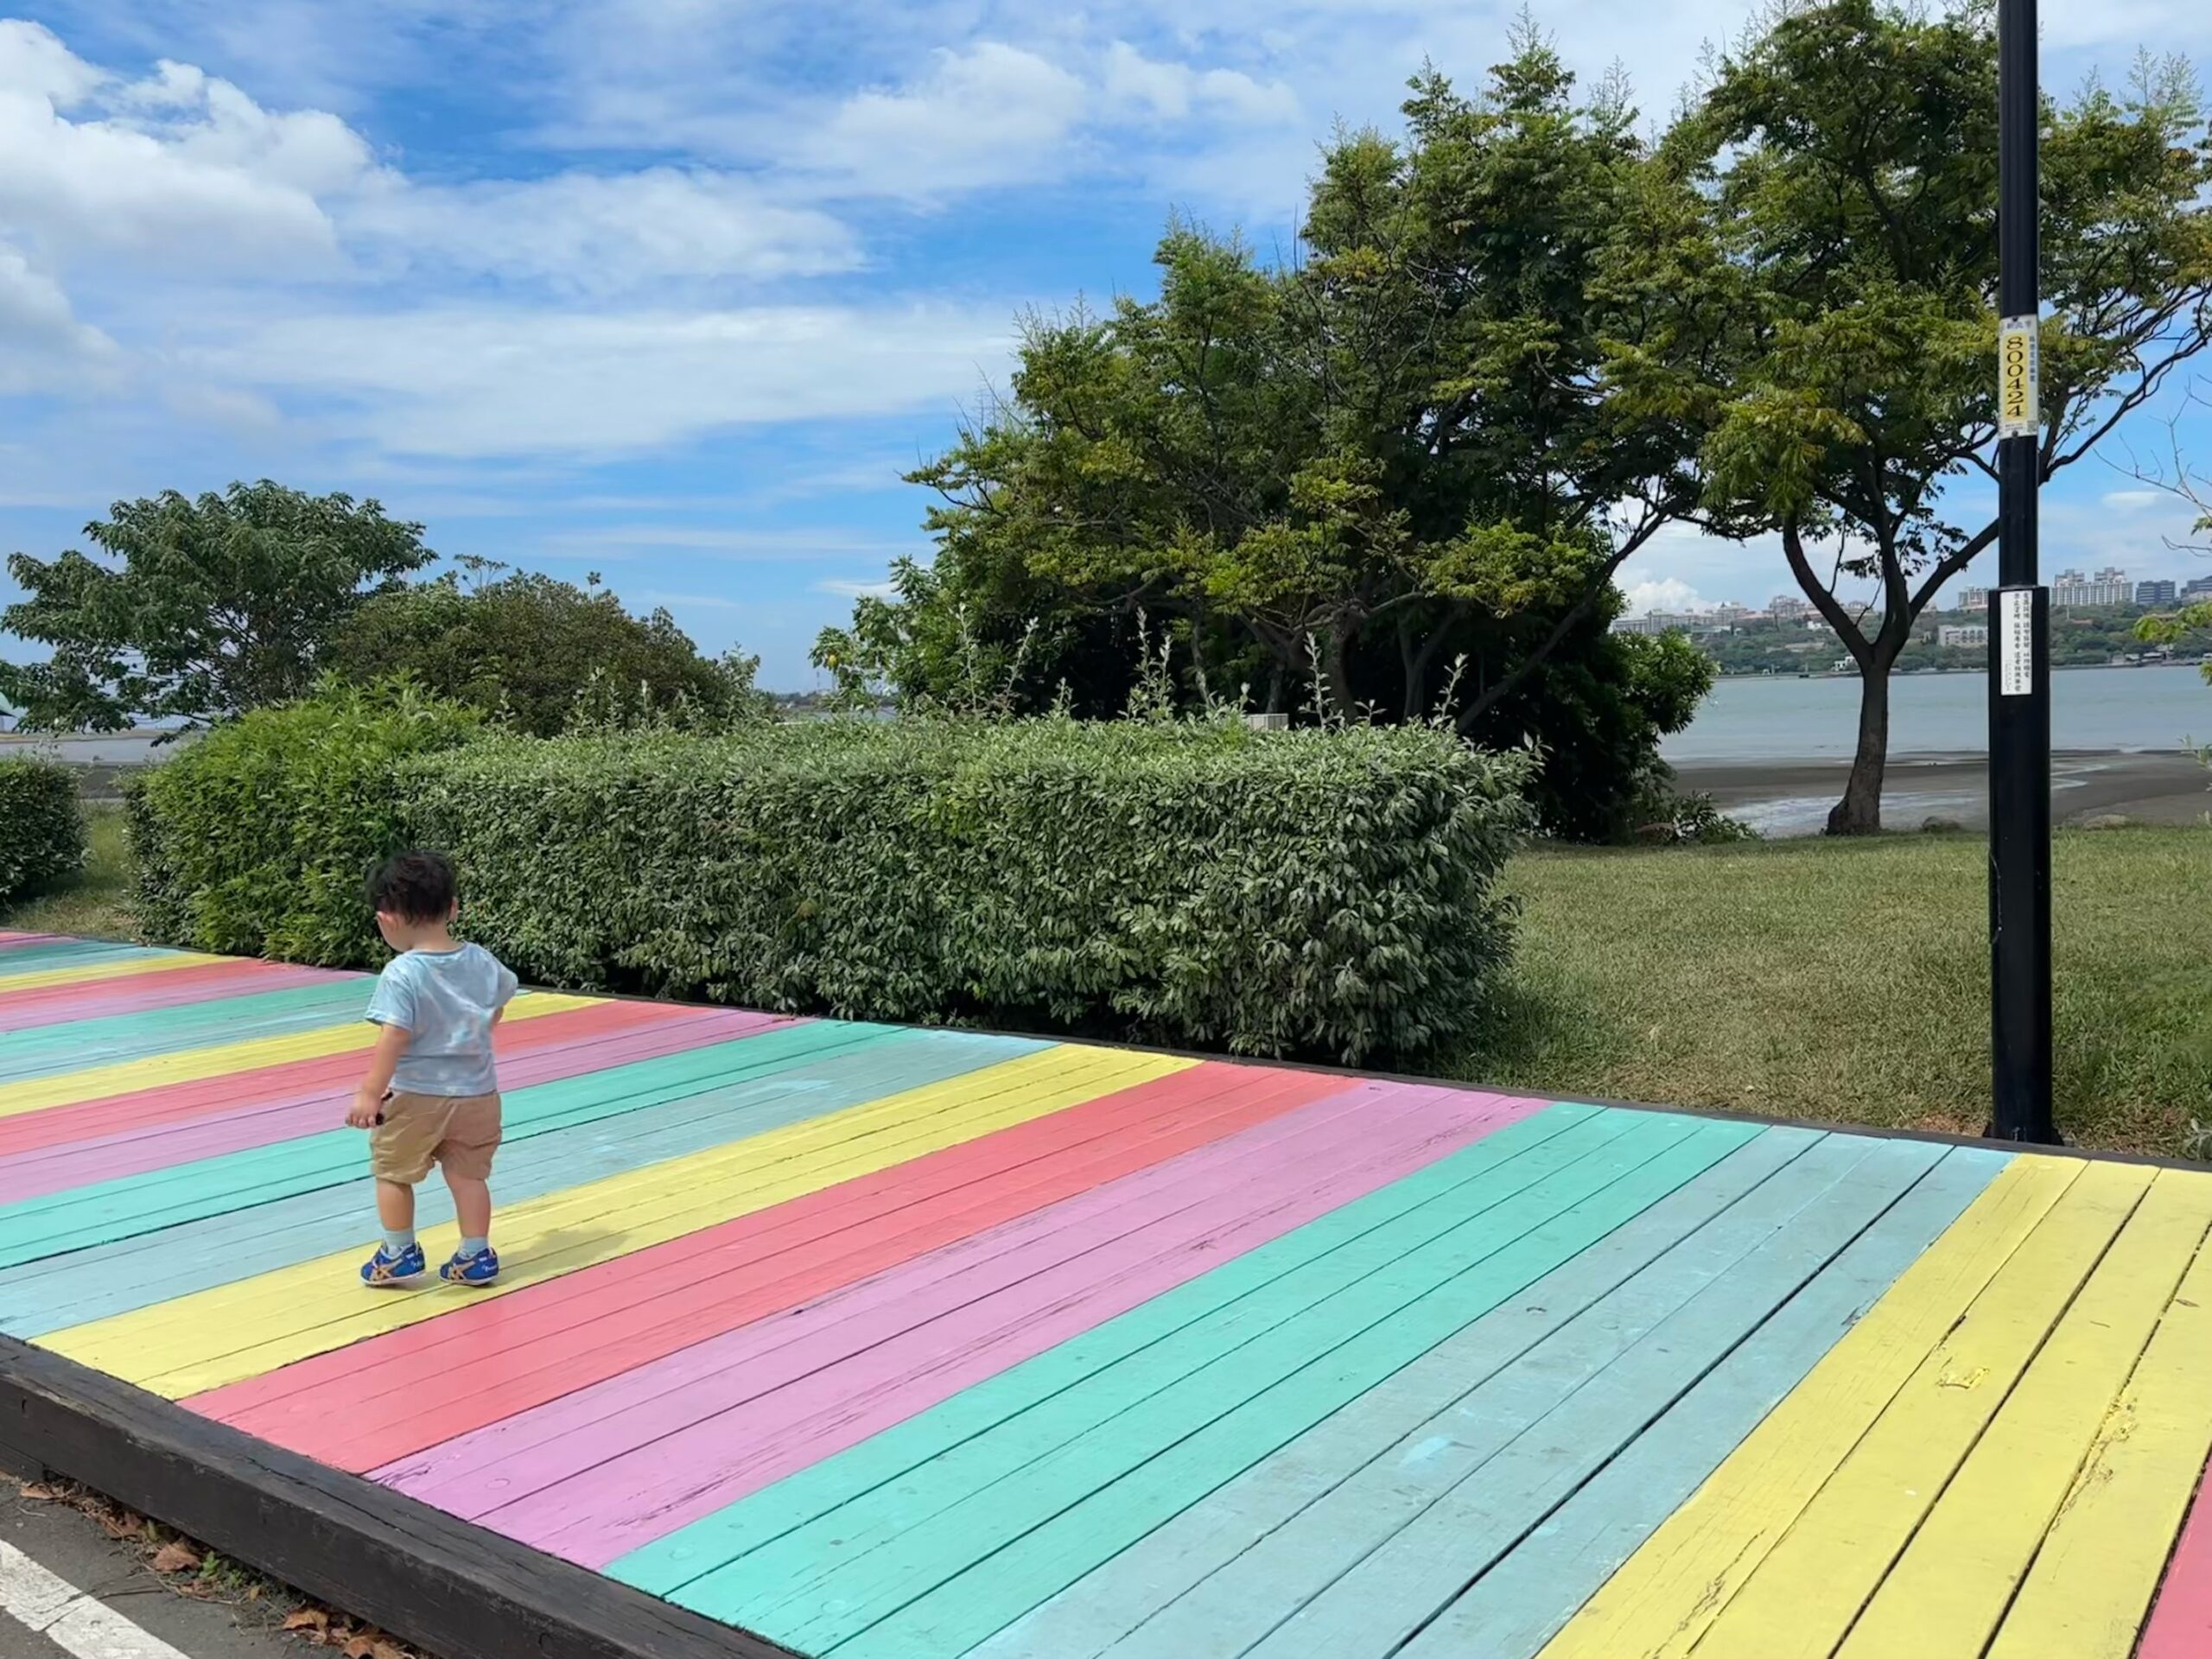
pixel 2106 710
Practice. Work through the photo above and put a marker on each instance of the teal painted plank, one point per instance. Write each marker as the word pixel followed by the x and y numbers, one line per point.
pixel 220 1249
pixel 73 953
pixel 1491 1469
pixel 935 1593
pixel 99 1214
pixel 1382 1305
pixel 669 1563
pixel 1089 1616
pixel 1523 1603
pixel 45 1051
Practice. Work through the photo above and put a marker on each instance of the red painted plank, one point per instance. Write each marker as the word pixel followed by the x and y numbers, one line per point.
pixel 54 1169
pixel 395 1395
pixel 50 1005
pixel 2181 1622
pixel 280 1085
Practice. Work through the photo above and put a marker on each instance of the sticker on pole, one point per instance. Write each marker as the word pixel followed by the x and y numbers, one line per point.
pixel 2016 643
pixel 2019 378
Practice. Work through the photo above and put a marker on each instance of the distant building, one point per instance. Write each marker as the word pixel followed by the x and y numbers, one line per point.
pixel 1788 607
pixel 2108 586
pixel 1974 598
pixel 2156 593
pixel 1964 636
pixel 2197 587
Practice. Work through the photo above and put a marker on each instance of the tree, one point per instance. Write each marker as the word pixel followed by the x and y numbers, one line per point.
pixel 197 609
pixel 1845 164
pixel 543 652
pixel 1426 440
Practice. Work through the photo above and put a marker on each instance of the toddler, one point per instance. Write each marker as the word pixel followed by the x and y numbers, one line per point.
pixel 431 1096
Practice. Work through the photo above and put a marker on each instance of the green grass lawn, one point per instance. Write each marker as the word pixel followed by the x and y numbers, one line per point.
pixel 1839 981
pixel 1849 981
pixel 97 904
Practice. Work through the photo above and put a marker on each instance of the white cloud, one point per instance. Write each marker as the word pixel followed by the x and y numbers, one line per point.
pixel 845 588
pixel 1663 593
pixel 43 344
pixel 2135 500
pixel 990 114
pixel 1175 91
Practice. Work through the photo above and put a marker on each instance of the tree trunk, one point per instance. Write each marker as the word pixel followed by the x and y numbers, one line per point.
pixel 1859 811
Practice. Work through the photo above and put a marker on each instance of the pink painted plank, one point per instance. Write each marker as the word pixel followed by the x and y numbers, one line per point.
pixel 2181 1621
pixel 52 1005
pixel 612 1467
pixel 532 1052
pixel 14 941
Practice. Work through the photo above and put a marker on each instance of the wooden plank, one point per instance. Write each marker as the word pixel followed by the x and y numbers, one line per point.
pixel 1663 1599
pixel 859 1573
pixel 222 1250
pixel 41 1051
pixel 623 1462
pixel 426 1577
pixel 534 1052
pixel 1518 1606
pixel 2100 1563
pixel 134 1205
pixel 1803 1597
pixel 1947 1592
pixel 1367 1568
pixel 195 983
pixel 1511 1156
pixel 1127 1591
pixel 37 966
pixel 159 1113
pixel 186 1065
pixel 222 1335
pixel 395 1396
pixel 2181 1621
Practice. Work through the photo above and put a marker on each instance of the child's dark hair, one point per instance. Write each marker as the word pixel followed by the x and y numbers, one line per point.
pixel 417 887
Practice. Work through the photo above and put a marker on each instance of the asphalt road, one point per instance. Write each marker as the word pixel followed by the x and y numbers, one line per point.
pixel 69 1592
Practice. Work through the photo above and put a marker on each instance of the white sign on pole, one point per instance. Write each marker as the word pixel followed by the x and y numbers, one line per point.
pixel 2019 378
pixel 2016 644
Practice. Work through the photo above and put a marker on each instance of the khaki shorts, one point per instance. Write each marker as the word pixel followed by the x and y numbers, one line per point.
pixel 459 1133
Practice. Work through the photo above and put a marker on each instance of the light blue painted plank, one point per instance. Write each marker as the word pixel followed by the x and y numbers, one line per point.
pixel 71 953
pixel 1090 1615
pixel 1274 1385
pixel 1430 1516
pixel 219 1249
pixel 71 1045
pixel 1516 1155
pixel 80 1217
pixel 1529 1597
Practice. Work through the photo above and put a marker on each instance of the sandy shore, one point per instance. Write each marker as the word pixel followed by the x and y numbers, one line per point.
pixel 1786 798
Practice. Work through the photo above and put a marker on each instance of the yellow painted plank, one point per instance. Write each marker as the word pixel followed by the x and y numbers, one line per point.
pixel 92 972
pixel 222 1335
pixel 1799 1602
pixel 1665 1597
pixel 2087 1594
pixel 190 1064
pixel 1948 1592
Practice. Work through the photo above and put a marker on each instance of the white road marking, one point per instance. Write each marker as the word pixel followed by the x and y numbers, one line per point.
pixel 77 1624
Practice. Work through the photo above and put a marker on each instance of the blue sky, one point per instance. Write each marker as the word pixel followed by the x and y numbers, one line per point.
pixel 674 289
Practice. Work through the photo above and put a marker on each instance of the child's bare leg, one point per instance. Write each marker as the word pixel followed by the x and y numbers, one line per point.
pixel 472 1205
pixel 396 1206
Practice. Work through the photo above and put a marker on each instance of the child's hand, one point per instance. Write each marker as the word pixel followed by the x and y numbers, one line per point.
pixel 365 1111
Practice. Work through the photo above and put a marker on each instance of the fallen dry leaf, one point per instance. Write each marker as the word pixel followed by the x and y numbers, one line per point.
pixel 308 1618
pixel 179 1557
pixel 121 1523
pixel 383 1650
pixel 39 1494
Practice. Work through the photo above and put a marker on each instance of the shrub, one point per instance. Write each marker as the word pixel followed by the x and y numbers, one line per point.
pixel 1315 892
pixel 254 841
pixel 41 826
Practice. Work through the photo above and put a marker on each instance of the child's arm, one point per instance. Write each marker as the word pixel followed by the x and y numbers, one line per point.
pixel 383 1060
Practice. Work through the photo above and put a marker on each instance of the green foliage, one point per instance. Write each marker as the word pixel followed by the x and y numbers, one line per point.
pixel 1429 441
pixel 199 608
pixel 1839 182
pixel 2192 624
pixel 1314 893
pixel 41 826
pixel 254 840
pixel 531 648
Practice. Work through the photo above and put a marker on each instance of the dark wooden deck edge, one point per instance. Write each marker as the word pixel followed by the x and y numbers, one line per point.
pixel 425 1576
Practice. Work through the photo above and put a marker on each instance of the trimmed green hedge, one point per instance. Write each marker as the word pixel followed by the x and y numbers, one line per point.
pixel 1326 893
pixel 41 826
pixel 256 839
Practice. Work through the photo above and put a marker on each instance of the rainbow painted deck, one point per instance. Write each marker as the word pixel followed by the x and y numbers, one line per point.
pixel 904 1345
